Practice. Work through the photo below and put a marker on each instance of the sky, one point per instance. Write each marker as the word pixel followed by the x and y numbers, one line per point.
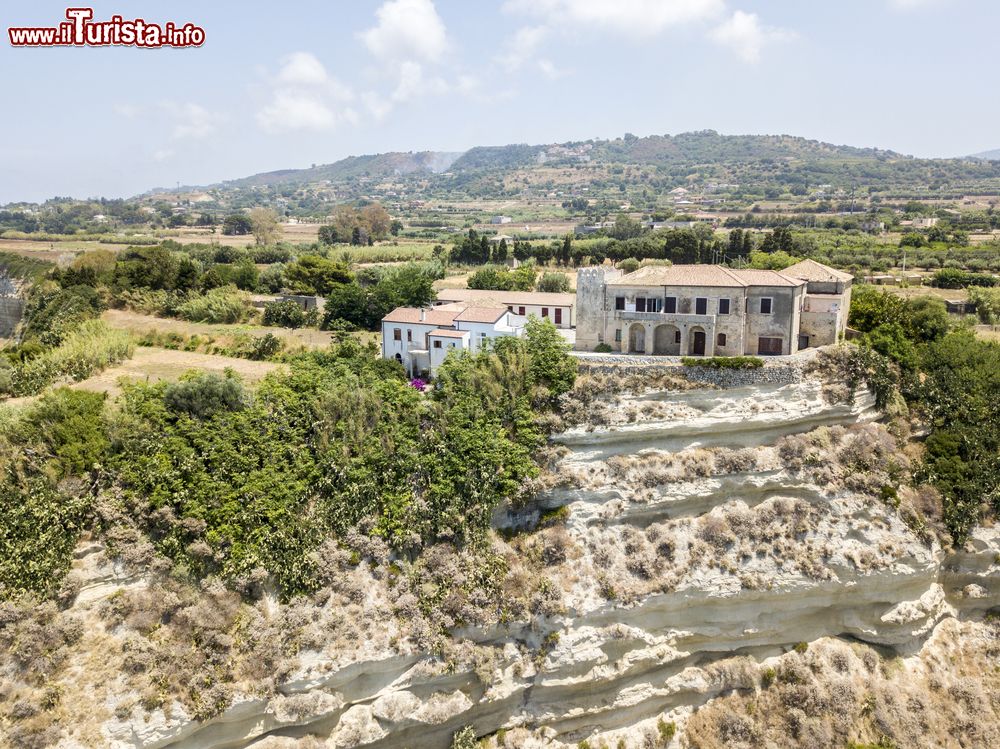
pixel 279 85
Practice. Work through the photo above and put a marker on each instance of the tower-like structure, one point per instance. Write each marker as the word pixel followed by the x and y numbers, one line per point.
pixel 591 305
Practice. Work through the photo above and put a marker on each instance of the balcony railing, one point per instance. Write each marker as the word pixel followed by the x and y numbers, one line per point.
pixel 673 318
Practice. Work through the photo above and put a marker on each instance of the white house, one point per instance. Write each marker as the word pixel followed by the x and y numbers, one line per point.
pixel 554 306
pixel 420 339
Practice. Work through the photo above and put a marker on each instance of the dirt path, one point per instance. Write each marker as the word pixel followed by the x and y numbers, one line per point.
pixel 152 364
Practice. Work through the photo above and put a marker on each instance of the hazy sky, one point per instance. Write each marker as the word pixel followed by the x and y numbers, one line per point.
pixel 288 84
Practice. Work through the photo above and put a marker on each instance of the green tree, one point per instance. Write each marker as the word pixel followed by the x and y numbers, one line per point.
pixel 237 224
pixel 551 366
pixel 264 226
pixel 313 274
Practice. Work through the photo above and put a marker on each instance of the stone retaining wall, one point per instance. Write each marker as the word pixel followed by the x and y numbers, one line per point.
pixel 783 370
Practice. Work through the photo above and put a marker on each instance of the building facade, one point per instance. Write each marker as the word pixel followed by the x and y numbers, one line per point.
pixel 420 339
pixel 556 307
pixel 711 310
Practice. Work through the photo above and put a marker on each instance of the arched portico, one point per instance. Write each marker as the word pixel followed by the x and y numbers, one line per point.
pixel 666 340
pixel 637 338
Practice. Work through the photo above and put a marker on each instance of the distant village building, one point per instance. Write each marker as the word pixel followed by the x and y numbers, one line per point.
pixel 545 305
pixel 420 339
pixel 711 310
pixel 926 222
pixel 501 220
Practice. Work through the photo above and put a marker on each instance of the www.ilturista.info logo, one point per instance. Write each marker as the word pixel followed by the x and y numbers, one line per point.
pixel 79 30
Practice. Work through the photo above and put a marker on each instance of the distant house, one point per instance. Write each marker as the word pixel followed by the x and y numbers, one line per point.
pixel 420 339
pixel 882 279
pixel 873 227
pixel 501 220
pixel 926 222
pixel 559 308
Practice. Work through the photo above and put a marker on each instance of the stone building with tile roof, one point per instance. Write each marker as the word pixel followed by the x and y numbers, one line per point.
pixel 711 310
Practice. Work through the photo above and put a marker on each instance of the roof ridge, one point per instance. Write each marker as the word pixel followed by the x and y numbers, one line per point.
pixel 733 275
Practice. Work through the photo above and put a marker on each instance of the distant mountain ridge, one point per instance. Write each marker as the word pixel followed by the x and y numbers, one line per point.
pixel 993 155
pixel 376 165
pixel 741 159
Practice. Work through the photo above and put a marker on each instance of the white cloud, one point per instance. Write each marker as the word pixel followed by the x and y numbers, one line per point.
pixel 302 68
pixel 305 97
pixel 550 70
pixel 191 121
pixel 640 18
pixel 128 111
pixel 521 47
pixel 162 155
pixel 912 4
pixel 407 30
pixel 744 34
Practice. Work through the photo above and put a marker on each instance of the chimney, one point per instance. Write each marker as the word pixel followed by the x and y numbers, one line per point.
pixel 423 314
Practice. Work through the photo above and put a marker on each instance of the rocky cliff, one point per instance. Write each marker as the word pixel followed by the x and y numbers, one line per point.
pixel 698 565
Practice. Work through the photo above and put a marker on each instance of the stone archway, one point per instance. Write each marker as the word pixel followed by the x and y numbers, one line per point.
pixel 698 341
pixel 637 339
pixel 666 340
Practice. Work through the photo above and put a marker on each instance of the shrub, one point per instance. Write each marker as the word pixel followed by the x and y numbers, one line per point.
pixel 767 677
pixel 464 739
pixel 553 283
pixel 603 348
pixel 225 304
pixel 666 730
pixel 288 314
pixel 91 348
pixel 724 362
pixel 202 395
pixel 629 265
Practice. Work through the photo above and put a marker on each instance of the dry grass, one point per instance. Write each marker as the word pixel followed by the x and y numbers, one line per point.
pixel 835 693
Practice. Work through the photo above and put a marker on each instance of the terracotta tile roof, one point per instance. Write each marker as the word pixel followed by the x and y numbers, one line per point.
pixel 754 277
pixel 513 298
pixel 810 270
pixel 481 314
pixel 679 275
pixel 448 333
pixel 703 275
pixel 411 315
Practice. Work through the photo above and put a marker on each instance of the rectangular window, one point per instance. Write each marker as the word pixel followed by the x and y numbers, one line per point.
pixel 677 336
pixel 437 344
pixel 520 311
pixel 397 334
pixel 723 306
pixel 701 306
pixel 545 311
pixel 618 336
pixel 619 302
pixel 640 304
pixel 720 339
pixel 765 306
pixel 510 308
pixel 670 305
pixel 558 313
pixel 409 336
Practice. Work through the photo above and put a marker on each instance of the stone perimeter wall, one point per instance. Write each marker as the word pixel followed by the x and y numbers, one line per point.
pixel 783 371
